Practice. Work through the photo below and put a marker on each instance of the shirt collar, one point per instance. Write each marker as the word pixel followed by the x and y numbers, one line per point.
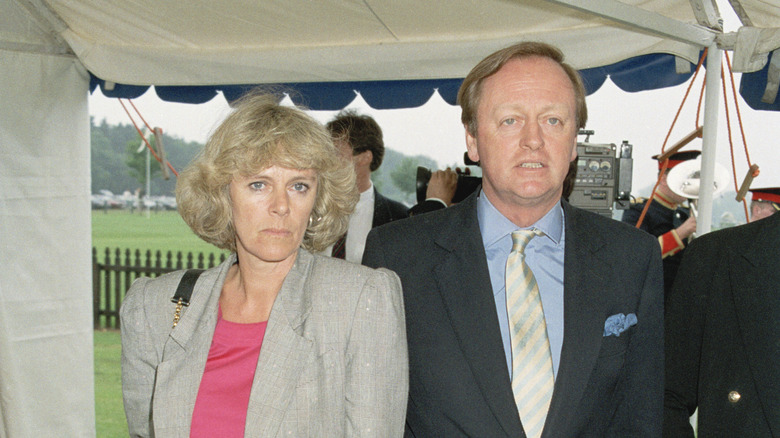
pixel 368 194
pixel 494 226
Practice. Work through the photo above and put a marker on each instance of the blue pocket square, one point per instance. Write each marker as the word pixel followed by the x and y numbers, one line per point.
pixel 618 323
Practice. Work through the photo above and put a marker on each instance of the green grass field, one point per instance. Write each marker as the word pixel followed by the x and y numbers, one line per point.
pixel 163 231
pixel 109 411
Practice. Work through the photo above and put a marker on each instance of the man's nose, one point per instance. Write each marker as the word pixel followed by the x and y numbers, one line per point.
pixel 532 136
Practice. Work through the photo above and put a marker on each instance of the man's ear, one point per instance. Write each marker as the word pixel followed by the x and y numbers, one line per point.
pixel 574 151
pixel 471 146
pixel 364 158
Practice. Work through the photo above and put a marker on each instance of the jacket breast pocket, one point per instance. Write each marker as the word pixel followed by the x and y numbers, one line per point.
pixel 615 345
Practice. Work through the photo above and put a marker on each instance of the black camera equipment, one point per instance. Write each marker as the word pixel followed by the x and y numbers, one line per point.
pixel 602 181
pixel 467 184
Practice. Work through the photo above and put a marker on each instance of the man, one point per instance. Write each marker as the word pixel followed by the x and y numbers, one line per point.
pixel 666 219
pixel 765 202
pixel 359 138
pixel 439 193
pixel 722 332
pixel 600 281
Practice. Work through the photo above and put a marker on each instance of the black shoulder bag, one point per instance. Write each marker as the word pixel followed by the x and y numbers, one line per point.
pixel 183 293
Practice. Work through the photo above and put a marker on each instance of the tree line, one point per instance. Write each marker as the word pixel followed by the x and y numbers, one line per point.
pixel 118 166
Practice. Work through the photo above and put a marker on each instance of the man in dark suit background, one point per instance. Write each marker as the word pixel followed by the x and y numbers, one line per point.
pixel 359 139
pixel 600 281
pixel 723 335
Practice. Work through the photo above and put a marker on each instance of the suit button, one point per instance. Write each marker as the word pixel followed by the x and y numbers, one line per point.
pixel 734 396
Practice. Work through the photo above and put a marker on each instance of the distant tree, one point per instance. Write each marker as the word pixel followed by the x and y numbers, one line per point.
pixel 404 175
pixel 136 162
pixel 378 179
pixel 117 167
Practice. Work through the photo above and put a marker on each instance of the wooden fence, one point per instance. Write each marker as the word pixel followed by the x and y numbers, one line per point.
pixel 113 277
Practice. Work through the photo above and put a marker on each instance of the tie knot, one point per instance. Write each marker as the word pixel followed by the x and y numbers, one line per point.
pixel 520 238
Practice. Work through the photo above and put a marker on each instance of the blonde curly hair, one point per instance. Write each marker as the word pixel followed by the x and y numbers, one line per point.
pixel 258 134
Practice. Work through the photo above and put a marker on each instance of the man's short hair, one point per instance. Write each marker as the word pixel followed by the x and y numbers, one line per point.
pixel 471 88
pixel 361 132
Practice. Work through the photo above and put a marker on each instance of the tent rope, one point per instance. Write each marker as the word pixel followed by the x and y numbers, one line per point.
pixel 143 137
pixel 742 133
pixel 665 163
pixel 753 172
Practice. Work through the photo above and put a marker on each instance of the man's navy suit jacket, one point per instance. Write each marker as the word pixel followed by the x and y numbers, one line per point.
pixel 459 382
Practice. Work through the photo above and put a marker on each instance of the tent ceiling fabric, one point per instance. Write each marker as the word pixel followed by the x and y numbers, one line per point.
pixel 210 42
pixel 328 48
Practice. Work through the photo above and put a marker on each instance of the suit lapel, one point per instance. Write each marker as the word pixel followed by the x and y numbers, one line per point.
pixel 185 353
pixel 754 275
pixel 283 353
pixel 381 212
pixel 464 284
pixel 584 311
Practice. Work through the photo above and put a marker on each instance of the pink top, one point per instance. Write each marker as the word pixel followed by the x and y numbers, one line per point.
pixel 223 396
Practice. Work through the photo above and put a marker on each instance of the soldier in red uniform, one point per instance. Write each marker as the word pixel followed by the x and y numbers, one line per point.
pixel 765 202
pixel 666 219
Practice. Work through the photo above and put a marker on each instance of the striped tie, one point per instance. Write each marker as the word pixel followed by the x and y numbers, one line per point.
pixel 532 370
pixel 339 250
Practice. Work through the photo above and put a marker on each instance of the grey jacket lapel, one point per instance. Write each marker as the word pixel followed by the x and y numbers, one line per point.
pixel 283 354
pixel 583 318
pixel 185 353
pixel 464 284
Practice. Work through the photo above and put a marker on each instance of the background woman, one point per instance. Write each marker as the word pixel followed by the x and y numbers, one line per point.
pixel 276 341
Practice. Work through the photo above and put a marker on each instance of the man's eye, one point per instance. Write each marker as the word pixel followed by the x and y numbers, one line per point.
pixel 554 121
pixel 509 121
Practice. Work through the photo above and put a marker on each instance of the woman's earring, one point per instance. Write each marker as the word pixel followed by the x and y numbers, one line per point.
pixel 312 220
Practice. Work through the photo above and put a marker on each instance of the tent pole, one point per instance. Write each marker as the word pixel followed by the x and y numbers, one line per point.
pixel 709 140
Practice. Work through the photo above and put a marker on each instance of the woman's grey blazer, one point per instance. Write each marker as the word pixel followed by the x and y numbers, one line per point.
pixel 333 361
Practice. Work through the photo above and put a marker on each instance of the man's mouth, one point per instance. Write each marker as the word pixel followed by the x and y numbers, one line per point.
pixel 532 165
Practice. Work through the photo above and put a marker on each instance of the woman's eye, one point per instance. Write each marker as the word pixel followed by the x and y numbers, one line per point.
pixel 257 185
pixel 300 187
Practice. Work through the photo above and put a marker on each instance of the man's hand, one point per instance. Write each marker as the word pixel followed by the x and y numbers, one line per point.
pixel 442 185
pixel 687 228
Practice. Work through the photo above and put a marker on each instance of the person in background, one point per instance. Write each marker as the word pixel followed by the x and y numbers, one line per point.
pixel 359 139
pixel 443 184
pixel 275 341
pixel 514 266
pixel 765 202
pixel 439 192
pixel 723 335
pixel 666 218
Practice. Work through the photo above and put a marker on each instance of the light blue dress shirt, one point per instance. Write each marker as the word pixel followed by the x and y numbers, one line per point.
pixel 544 255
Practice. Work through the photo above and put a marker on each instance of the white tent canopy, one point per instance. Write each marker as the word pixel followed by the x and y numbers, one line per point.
pixel 48 48
pixel 202 42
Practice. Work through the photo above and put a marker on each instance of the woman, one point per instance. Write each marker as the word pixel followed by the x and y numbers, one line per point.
pixel 276 341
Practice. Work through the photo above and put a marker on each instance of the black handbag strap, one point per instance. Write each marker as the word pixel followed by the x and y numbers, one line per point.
pixel 184 292
pixel 186 285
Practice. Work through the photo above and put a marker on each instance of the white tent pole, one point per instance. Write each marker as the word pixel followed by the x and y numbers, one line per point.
pixel 709 140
